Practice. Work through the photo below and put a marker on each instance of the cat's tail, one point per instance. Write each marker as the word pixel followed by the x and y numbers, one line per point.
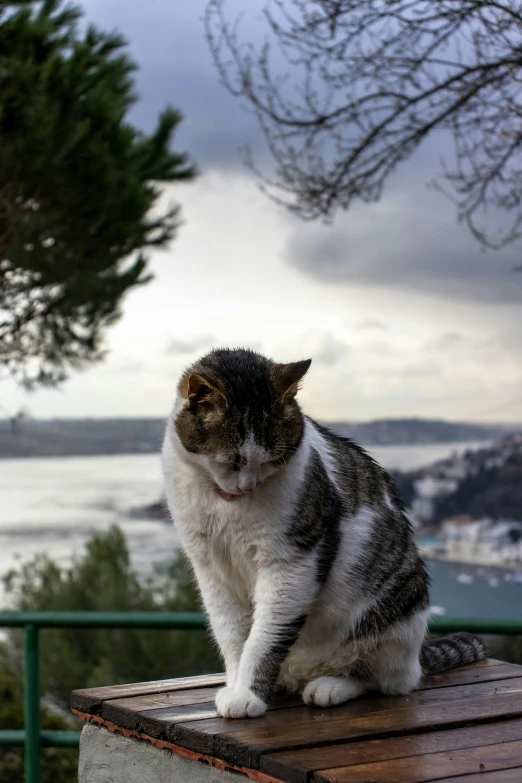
pixel 448 652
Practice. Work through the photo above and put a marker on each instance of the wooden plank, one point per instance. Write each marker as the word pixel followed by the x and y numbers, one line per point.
pixel 243 742
pixel 154 701
pixel 151 713
pixel 484 663
pixel 436 695
pixel 375 704
pixel 295 766
pixel 429 767
pixel 120 711
pixel 501 776
pixel 133 712
pixel 151 701
pixel 89 700
pixel 156 723
pixel 470 674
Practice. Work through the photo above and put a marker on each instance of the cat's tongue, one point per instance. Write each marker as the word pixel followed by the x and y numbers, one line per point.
pixel 226 495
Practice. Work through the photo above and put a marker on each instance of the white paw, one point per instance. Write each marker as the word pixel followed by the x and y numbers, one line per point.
pixel 328 691
pixel 239 703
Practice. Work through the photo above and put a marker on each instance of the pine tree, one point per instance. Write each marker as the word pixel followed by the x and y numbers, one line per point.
pixel 77 185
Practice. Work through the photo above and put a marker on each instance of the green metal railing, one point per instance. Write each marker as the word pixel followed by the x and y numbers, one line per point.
pixel 32 738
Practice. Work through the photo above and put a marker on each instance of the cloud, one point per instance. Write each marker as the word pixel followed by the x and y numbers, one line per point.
pixel 321 347
pixel 449 341
pixel 132 366
pixel 371 324
pixel 175 68
pixel 177 346
pixel 329 350
pixel 124 366
pixel 409 241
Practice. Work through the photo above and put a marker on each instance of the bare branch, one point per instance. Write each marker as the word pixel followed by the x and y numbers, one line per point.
pixel 346 90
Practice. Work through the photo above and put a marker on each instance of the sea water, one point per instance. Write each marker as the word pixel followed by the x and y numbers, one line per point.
pixel 53 505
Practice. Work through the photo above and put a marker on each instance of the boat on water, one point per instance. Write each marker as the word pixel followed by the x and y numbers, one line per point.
pixel 513 577
pixel 465 579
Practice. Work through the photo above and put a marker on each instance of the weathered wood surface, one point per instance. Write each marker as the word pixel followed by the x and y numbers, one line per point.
pixel 465 725
pixel 91 699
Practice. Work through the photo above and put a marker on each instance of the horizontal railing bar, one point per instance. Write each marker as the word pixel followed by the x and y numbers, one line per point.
pixel 183 621
pixel 12 737
pixel 486 625
pixel 60 739
pixel 196 620
pixel 49 739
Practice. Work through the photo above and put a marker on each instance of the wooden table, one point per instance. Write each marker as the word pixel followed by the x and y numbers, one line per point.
pixel 464 726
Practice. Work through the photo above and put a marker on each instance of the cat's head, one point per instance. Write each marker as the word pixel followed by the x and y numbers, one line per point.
pixel 238 417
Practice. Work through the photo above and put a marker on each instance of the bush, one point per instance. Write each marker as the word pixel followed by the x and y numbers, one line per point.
pixel 101 579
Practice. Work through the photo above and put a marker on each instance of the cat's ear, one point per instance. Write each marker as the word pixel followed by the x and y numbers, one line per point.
pixel 286 377
pixel 201 390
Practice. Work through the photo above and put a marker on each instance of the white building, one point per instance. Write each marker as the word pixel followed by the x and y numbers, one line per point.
pixel 427 490
pixel 483 541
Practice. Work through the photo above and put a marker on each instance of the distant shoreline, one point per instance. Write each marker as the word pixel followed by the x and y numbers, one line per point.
pixel 145 452
pixel 514 566
pixel 110 437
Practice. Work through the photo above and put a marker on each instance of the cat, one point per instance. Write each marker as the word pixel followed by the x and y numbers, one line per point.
pixel 301 547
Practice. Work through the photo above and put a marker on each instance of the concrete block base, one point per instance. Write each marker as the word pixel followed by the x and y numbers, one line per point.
pixel 107 757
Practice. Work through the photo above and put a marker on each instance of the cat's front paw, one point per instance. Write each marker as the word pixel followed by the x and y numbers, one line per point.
pixel 239 703
pixel 328 691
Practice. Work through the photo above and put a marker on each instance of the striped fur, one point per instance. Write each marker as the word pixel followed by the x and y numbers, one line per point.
pixel 304 556
pixel 448 652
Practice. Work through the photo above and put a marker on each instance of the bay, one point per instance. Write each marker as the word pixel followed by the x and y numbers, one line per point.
pixel 53 505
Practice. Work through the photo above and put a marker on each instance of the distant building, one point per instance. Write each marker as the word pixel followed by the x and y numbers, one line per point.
pixel 482 541
pixel 427 490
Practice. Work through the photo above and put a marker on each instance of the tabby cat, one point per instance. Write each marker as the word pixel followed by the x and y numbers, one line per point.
pixel 305 559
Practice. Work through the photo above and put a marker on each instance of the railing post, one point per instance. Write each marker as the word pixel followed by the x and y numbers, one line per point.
pixel 32 705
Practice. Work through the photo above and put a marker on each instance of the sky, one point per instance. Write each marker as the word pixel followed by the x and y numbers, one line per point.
pixel 400 310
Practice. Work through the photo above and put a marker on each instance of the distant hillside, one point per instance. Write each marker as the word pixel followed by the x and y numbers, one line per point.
pixel 412 431
pixel 68 437
pixel 491 486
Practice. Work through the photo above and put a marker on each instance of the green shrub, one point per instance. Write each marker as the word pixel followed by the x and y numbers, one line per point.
pixel 100 579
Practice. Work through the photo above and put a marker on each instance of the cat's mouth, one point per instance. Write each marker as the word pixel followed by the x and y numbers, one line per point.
pixel 226 495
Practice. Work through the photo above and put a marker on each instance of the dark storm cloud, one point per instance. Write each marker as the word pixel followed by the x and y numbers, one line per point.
pixel 167 41
pixel 410 241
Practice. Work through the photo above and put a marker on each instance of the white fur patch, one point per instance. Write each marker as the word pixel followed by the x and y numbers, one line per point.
pixel 329 691
pixel 239 703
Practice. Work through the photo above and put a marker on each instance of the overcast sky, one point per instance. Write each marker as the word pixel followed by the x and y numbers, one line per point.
pixel 400 310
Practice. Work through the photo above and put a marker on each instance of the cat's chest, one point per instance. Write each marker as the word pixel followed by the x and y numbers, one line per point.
pixel 229 542
pixel 237 526
pixel 239 532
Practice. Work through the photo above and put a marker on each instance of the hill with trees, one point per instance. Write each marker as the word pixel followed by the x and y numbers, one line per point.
pixel 64 437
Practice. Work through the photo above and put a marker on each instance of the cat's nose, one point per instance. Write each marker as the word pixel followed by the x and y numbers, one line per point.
pixel 247 483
